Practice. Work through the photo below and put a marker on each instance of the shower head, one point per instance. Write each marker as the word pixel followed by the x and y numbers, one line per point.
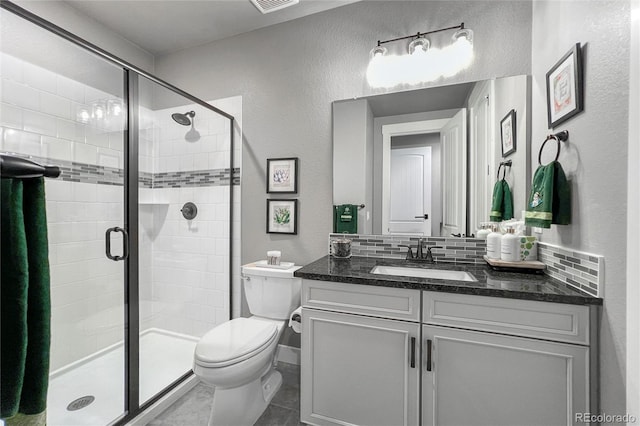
pixel 184 119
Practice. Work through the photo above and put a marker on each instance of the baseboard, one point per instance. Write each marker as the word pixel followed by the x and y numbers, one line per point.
pixel 165 402
pixel 288 354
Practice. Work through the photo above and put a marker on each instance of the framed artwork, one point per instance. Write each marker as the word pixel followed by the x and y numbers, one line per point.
pixel 282 217
pixel 564 88
pixel 508 133
pixel 282 175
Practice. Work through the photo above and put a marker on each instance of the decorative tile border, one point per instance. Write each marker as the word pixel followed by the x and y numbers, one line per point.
pixel 214 177
pixel 454 250
pixel 577 269
pixel 72 171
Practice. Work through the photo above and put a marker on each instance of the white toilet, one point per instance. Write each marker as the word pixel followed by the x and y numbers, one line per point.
pixel 238 356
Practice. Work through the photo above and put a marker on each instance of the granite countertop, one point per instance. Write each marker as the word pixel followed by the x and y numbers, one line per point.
pixel 515 285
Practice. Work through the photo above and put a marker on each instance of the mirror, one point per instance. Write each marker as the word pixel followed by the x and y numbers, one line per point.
pixel 425 161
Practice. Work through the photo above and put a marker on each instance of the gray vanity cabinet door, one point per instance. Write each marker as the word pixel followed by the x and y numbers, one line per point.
pixel 357 370
pixel 475 378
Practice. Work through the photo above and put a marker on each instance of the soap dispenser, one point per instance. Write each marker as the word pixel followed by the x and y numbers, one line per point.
pixel 494 240
pixel 483 231
pixel 510 246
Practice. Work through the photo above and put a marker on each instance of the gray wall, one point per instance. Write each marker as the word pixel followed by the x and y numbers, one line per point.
pixel 512 93
pixel 89 29
pixel 352 158
pixel 432 140
pixel 595 157
pixel 289 74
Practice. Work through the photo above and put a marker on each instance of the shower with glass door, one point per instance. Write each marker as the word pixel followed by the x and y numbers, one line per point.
pixel 138 221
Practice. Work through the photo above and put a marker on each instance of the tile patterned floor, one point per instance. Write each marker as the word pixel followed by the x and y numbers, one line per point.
pixel 194 407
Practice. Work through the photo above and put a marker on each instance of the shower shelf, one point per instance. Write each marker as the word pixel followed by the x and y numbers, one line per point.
pixel 151 197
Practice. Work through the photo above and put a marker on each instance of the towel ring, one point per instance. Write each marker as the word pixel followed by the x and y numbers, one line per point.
pixel 504 164
pixel 558 137
pixel 504 171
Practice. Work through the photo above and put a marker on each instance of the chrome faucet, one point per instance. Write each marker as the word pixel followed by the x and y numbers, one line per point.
pixel 420 255
pixel 429 256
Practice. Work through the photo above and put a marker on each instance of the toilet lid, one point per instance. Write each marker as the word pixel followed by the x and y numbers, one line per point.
pixel 234 340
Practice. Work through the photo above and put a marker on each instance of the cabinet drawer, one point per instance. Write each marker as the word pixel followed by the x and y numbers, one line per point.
pixel 541 320
pixel 384 302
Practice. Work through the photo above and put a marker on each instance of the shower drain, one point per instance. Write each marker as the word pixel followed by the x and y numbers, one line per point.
pixel 80 403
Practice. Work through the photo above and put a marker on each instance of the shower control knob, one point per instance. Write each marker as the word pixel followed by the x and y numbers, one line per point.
pixel 189 211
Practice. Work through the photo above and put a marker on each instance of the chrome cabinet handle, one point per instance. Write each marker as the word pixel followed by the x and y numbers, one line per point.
pixel 429 347
pixel 125 243
pixel 424 216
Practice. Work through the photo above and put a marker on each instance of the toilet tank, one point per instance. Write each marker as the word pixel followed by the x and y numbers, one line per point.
pixel 270 292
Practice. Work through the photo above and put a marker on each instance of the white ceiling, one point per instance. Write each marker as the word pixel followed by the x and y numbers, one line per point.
pixel 164 26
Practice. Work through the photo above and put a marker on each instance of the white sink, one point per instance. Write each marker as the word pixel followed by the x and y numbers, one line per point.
pixel 440 274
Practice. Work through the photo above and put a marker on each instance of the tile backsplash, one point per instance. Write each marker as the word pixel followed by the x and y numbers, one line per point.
pixel 457 250
pixel 580 270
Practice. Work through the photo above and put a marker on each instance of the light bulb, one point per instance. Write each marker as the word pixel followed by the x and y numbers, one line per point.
pixel 419 45
pixel 377 52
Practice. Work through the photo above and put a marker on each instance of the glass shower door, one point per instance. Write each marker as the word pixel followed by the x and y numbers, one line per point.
pixel 65 106
pixel 184 154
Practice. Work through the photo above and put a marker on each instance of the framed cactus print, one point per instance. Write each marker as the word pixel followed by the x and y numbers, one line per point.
pixel 282 217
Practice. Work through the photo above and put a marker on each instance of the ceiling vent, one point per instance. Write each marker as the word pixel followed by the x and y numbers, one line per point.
pixel 267 6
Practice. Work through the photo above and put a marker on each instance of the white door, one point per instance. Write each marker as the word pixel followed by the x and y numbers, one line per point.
pixel 358 370
pixel 410 197
pixel 453 137
pixel 473 378
pixel 481 150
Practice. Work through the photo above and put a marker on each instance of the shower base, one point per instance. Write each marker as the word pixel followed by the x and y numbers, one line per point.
pixel 164 357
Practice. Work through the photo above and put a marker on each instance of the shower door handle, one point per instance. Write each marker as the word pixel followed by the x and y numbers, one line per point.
pixel 125 243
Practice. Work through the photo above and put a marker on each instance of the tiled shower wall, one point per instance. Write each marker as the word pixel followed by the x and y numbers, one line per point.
pixel 189 287
pixel 41 115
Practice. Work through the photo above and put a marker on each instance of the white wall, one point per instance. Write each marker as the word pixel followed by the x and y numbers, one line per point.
pixel 595 158
pixel 65 16
pixel 289 74
pixel 633 213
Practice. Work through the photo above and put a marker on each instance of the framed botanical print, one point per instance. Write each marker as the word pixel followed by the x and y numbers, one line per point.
pixel 508 133
pixel 282 175
pixel 282 216
pixel 564 88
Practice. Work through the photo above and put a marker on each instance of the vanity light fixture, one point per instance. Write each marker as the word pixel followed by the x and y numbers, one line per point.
pixel 424 62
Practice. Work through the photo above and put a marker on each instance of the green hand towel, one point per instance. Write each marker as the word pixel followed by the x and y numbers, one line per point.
pixel 550 198
pixel 502 202
pixel 25 301
pixel 496 202
pixel 345 219
pixel 561 212
pixel 507 202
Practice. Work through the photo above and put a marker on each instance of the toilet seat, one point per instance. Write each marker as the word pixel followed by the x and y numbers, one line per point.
pixel 234 341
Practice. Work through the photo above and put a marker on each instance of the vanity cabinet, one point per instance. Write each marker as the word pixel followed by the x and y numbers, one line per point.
pixel 475 376
pixel 361 364
pixel 376 355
